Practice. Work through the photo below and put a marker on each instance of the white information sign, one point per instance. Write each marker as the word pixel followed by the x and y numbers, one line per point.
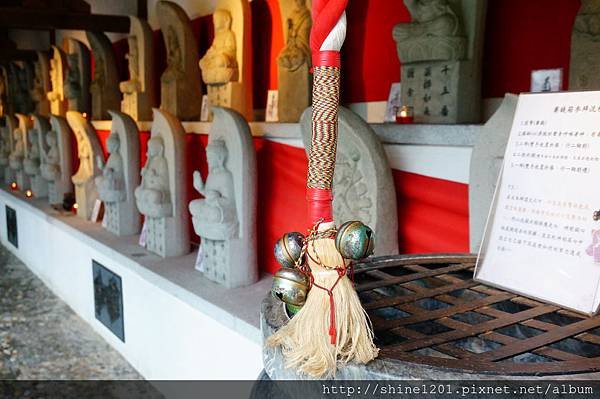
pixel 272 111
pixel 542 239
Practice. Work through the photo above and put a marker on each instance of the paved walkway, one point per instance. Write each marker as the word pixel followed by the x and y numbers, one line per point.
pixel 41 338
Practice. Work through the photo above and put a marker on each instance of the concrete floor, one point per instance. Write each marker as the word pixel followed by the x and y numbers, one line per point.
pixel 41 338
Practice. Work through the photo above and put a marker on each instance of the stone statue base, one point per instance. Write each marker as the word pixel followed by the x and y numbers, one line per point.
pixel 22 180
pixel 441 92
pixel 58 107
pixel 228 95
pixel 55 196
pixel 226 262
pixel 85 197
pixel 137 105
pixel 120 219
pixel 162 237
pixel 175 99
pixel 294 93
pixel 39 186
pixel 9 175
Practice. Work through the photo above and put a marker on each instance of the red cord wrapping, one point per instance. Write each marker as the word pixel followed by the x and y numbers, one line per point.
pixel 320 205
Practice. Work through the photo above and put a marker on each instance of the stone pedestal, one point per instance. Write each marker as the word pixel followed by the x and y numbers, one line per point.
pixel 440 51
pixel 229 95
pixel 22 179
pixel 138 105
pixel 294 93
pixel 85 197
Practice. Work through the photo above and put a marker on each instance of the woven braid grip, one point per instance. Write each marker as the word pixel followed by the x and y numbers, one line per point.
pixel 326 98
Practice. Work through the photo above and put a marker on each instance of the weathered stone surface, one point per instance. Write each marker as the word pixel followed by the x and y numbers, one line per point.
pixel 121 176
pixel 56 164
pixel 6 146
pixel 89 149
pixel 58 71
pixel 105 84
pixel 440 51
pixel 363 187
pixel 20 83
pixel 41 85
pixel 19 152
pixel 161 195
pixel 77 77
pixel 138 91
pixel 585 48
pixel 225 219
pixel 227 65
pixel 294 61
pixel 35 146
pixel 486 163
pixel 180 90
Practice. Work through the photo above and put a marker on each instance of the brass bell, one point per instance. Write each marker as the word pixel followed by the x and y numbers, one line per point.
pixel 355 240
pixel 290 286
pixel 288 249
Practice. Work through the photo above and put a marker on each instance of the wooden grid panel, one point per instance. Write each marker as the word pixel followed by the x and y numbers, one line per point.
pixel 427 309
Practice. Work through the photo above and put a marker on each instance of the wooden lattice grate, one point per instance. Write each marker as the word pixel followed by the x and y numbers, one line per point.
pixel 427 309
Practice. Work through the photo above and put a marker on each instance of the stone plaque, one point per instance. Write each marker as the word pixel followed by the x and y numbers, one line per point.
pixel 11 226
pixel 108 299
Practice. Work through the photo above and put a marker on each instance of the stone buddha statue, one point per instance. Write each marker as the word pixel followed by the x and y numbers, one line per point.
pixel 297 48
pixel 16 156
pixel 430 18
pixel 153 196
pixel 32 161
pixel 38 93
pixel 86 168
pixel 215 216
pixel 219 64
pixel 50 161
pixel 54 95
pixel 97 85
pixel 110 184
pixel 133 84
pixel 5 149
pixel 174 69
pixel 72 85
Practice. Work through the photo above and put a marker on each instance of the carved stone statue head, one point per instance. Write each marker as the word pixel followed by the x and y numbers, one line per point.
pixel 216 154
pixel 155 147
pixel 112 143
pixel 222 20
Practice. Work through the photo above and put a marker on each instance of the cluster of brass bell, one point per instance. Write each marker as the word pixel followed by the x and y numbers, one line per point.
pixel 354 240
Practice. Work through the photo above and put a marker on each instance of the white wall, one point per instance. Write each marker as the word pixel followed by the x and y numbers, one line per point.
pixel 165 338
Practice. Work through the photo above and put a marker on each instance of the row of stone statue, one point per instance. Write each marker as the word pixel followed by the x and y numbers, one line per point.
pixel 36 154
pixel 63 82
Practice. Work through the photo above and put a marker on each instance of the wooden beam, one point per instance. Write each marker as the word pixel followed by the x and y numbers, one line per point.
pixel 18 18
pixel 17 55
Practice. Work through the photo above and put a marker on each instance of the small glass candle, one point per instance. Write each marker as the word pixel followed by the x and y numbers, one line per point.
pixel 405 115
pixel 28 194
pixel 13 186
pixel 74 209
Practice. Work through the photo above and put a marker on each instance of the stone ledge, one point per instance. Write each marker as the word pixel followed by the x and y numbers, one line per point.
pixel 389 133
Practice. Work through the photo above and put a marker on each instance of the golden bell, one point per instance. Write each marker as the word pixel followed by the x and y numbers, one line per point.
pixel 290 286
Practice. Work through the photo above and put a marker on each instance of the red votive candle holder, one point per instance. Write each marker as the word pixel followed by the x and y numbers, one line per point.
pixel 405 115
pixel 13 186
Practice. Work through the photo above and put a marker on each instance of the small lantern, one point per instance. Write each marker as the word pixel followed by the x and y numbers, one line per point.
pixel 288 249
pixel 290 286
pixel 405 115
pixel 355 240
